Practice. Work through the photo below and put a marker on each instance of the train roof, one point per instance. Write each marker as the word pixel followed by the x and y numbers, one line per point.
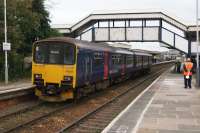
pixel 87 45
pixel 142 53
pixel 79 43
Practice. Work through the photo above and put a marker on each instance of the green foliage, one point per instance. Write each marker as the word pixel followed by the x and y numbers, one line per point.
pixel 28 21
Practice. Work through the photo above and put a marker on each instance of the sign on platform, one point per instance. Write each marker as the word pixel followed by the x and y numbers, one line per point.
pixel 6 46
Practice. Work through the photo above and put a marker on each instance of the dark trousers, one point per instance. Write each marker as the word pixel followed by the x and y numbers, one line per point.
pixel 187 82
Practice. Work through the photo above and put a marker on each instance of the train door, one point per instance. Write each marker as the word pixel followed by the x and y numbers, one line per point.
pixel 88 68
pixel 142 60
pixel 134 61
pixel 123 59
pixel 106 65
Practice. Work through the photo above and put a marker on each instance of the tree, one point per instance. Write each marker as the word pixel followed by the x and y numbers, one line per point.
pixel 38 7
pixel 28 20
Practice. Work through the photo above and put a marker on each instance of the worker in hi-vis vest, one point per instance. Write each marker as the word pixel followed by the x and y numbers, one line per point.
pixel 187 72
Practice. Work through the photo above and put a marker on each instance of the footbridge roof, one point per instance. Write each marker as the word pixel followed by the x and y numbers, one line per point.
pixel 124 15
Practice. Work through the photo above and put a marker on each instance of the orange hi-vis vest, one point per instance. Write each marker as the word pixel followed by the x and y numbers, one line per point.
pixel 188 66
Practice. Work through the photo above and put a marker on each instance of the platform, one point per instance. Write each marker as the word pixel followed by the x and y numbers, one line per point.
pixel 164 107
pixel 15 86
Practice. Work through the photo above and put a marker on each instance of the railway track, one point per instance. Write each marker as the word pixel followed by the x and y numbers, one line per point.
pixel 28 117
pixel 19 109
pixel 96 120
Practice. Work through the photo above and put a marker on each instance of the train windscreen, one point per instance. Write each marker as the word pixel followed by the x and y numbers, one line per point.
pixel 54 54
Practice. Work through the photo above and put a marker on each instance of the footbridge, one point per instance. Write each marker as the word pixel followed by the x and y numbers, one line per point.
pixel 134 26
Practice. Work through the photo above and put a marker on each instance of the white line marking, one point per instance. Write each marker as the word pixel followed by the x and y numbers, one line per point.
pixel 16 89
pixel 142 116
pixel 127 108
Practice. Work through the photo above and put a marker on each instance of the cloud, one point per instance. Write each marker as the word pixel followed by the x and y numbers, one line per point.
pixel 64 11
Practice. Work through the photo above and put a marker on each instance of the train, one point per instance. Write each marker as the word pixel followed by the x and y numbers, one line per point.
pixel 65 68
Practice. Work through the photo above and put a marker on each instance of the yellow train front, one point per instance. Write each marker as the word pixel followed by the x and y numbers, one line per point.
pixel 54 70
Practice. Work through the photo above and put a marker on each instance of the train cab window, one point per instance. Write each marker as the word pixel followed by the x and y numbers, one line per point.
pixel 54 54
pixel 40 54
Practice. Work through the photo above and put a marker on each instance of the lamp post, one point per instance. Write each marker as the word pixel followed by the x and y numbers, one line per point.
pixel 197 34
pixel 5 44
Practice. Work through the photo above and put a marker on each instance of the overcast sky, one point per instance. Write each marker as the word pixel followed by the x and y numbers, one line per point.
pixel 71 11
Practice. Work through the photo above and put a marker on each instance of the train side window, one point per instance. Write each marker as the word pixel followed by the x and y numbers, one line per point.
pixel 147 61
pixel 150 59
pixel 116 59
pixel 119 59
pixel 113 59
pixel 98 58
pixel 144 60
pixel 69 55
pixel 129 60
pixel 136 58
pixel 140 60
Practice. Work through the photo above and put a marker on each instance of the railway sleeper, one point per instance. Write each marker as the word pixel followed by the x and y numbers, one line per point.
pixel 100 118
pixel 105 116
pixel 114 107
pixel 91 127
pixel 83 131
pixel 108 114
pixel 112 110
pixel 98 125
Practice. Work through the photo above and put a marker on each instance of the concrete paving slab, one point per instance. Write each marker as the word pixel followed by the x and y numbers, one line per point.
pixel 176 101
pixel 169 109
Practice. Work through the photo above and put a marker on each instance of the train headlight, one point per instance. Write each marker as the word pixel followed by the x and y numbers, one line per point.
pixel 37 76
pixel 68 78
